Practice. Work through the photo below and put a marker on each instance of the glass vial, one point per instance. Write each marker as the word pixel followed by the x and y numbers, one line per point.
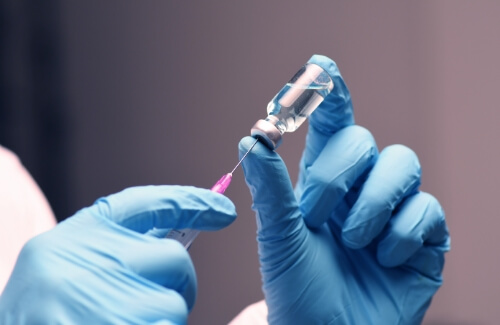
pixel 293 104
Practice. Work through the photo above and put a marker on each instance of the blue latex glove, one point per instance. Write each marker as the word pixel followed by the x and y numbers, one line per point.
pixel 99 266
pixel 356 243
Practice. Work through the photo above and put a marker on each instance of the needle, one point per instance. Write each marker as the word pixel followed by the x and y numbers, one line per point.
pixel 223 183
pixel 187 236
pixel 244 156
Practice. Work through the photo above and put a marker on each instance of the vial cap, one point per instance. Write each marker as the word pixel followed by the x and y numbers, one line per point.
pixel 267 133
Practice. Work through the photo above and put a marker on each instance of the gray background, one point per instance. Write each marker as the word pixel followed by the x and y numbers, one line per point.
pixel 160 92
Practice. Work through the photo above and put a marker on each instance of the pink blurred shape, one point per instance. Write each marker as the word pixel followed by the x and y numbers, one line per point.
pixel 222 184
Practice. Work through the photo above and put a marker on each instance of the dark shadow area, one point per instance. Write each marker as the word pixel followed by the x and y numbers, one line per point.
pixel 34 121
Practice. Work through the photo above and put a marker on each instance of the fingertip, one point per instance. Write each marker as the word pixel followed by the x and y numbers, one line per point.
pixel 403 151
pixel 219 220
pixel 258 149
pixel 326 64
pixel 245 144
pixel 336 110
pixel 216 211
pixel 260 160
pixel 438 233
pixel 404 158
pixel 195 208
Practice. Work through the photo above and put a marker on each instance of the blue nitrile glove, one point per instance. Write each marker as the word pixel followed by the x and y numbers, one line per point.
pixel 356 243
pixel 99 266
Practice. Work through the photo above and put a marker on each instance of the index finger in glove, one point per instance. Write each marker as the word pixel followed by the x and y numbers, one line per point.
pixel 147 207
pixel 271 188
pixel 333 114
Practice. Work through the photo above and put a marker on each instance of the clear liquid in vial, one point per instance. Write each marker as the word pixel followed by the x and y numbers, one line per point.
pixel 293 104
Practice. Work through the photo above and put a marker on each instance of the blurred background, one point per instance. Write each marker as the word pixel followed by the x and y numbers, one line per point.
pixel 96 96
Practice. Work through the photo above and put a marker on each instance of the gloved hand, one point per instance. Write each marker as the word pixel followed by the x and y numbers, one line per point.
pixel 357 243
pixel 103 266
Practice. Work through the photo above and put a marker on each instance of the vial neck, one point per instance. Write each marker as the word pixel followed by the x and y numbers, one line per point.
pixel 277 123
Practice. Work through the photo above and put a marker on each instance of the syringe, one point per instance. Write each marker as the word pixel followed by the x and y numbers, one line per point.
pixel 291 106
pixel 187 236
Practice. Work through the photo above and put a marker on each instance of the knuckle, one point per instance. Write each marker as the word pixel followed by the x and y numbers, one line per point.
pixel 34 256
pixel 434 206
pixel 404 162
pixel 403 153
pixel 35 247
pixel 361 133
pixel 331 185
pixel 366 143
pixel 404 238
